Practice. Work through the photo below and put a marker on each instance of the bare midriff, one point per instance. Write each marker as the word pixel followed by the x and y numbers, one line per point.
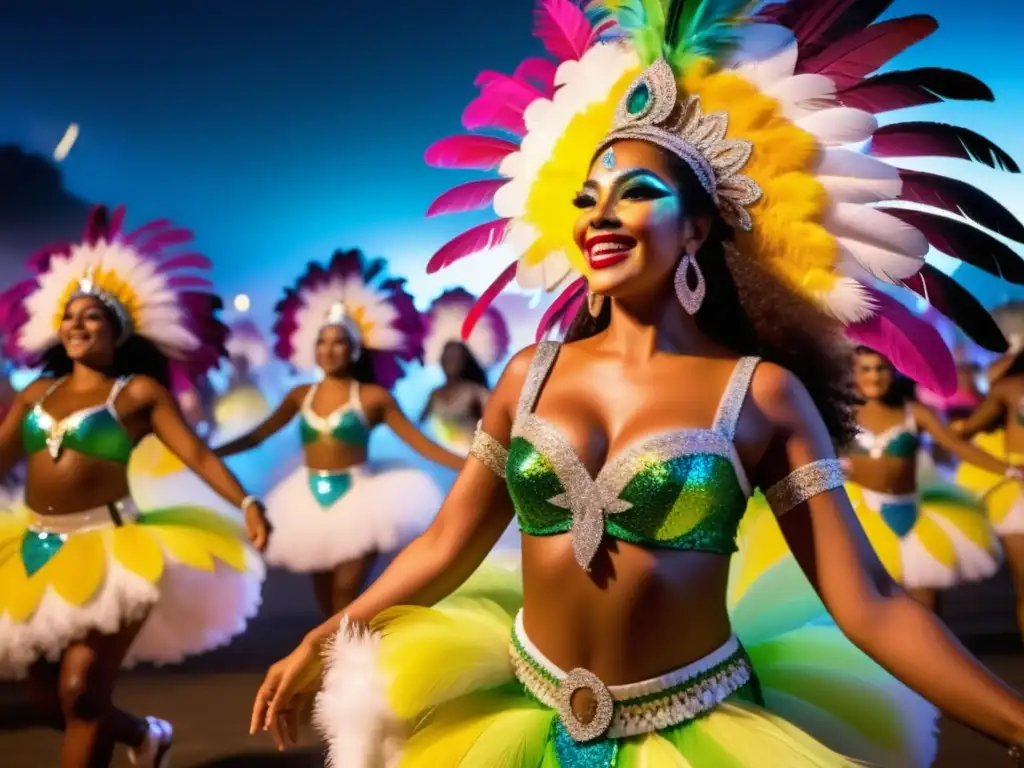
pixel 73 483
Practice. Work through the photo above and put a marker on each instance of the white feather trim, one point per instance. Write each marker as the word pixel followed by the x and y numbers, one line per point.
pixel 853 177
pixel 446 325
pixel 874 226
pixel 865 261
pixel 839 125
pixel 768 72
pixel 352 710
pixel 848 302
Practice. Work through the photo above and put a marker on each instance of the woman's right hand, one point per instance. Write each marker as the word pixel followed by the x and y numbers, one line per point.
pixel 957 427
pixel 286 694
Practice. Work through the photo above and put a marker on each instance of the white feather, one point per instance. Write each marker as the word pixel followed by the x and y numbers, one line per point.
pixel 848 302
pixel 873 261
pixel 766 73
pixel 547 275
pixel 839 125
pixel 853 177
pixel 801 95
pixel 446 326
pixel 873 226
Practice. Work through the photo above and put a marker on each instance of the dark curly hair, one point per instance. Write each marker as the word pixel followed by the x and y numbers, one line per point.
pixel 471 368
pixel 750 310
pixel 137 356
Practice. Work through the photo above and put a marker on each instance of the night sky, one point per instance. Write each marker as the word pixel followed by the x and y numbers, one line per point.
pixel 280 131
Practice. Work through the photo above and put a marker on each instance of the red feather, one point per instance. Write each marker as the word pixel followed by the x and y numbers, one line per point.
pixel 818 23
pixel 185 261
pixel 479 153
pixel 960 198
pixel 967 243
pixel 563 28
pixel 486 298
pixel 471 196
pixel 471 241
pixel 956 303
pixel 914 347
pixel 560 306
pixel 913 88
pixel 857 55
pixel 921 139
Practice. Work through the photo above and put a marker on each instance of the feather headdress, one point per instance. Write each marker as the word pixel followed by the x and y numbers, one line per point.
pixel 357 293
pixel 767 108
pixel 149 281
pixel 488 338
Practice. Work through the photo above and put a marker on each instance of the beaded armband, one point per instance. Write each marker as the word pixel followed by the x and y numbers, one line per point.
pixel 804 483
pixel 489 452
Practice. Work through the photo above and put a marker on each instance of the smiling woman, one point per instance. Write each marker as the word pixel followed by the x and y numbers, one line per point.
pixel 89 582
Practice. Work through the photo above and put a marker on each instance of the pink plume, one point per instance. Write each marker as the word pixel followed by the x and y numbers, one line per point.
pixel 185 261
pixel 487 297
pixel 480 153
pixel 146 229
pixel 539 72
pixel 850 60
pixel 563 28
pixel 117 219
pixel 560 305
pixel 488 110
pixel 471 241
pixel 471 196
pixel 188 281
pixel 911 344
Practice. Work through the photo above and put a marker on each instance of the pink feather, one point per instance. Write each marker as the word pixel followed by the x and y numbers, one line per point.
pixel 857 55
pixel 117 219
pixel 471 196
pixel 147 229
pixel 189 281
pixel 560 305
pixel 471 241
pixel 486 298
pixel 913 346
pixel 185 261
pixel 539 72
pixel 479 153
pixel 563 28
pixel 489 110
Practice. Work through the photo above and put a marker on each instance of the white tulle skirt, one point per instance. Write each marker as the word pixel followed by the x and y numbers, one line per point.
pixel 186 570
pixel 320 520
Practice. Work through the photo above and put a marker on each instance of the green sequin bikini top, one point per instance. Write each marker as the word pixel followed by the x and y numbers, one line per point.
pixel 346 425
pixel 682 489
pixel 900 441
pixel 96 432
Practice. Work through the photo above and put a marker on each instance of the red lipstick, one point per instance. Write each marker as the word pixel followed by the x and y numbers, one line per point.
pixel 605 251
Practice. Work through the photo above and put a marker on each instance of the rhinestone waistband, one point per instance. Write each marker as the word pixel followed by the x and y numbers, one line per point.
pixel 116 513
pixel 636 708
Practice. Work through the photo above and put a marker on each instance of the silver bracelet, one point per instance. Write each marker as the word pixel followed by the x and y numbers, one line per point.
pixel 248 501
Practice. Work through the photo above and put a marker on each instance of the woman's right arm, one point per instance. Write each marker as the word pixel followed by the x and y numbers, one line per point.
pixel 277 421
pixel 471 520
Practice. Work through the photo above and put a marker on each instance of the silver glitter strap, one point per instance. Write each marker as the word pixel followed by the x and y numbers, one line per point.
pixel 489 451
pixel 804 483
pixel 543 360
pixel 734 396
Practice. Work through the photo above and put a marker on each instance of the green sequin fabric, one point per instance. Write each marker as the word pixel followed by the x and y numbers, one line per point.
pixel 94 432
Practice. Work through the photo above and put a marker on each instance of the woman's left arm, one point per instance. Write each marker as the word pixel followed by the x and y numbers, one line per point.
pixel 930 422
pixel 169 425
pixel 389 413
pixel 875 613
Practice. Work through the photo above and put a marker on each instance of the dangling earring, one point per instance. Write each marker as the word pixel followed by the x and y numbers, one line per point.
pixel 595 303
pixel 690 298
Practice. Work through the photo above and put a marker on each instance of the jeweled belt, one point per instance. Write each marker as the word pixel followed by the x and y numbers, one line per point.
pixel 635 708
pixel 115 513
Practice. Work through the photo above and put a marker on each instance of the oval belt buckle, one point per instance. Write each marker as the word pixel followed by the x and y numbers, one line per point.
pixel 584 680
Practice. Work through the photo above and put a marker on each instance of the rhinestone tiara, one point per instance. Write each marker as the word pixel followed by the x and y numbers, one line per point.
pixel 652 111
pixel 87 287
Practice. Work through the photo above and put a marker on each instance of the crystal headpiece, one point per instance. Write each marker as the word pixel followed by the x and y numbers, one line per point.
pixel 338 317
pixel 87 287
pixel 652 111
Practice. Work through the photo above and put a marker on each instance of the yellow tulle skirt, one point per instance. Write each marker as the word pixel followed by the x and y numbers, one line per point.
pixel 1002 498
pixel 435 688
pixel 188 571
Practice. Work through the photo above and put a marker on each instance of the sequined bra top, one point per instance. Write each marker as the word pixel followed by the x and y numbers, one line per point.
pixel 96 432
pixel 346 425
pixel 682 489
pixel 900 441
